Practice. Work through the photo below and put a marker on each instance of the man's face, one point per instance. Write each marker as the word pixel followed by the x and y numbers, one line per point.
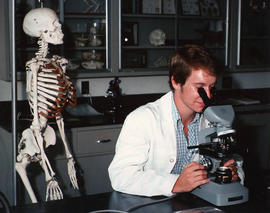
pixel 186 96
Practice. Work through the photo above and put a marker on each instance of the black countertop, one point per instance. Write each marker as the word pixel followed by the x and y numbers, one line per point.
pixel 123 202
pixel 128 104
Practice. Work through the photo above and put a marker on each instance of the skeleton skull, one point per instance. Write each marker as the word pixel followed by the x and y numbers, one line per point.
pixel 157 37
pixel 43 22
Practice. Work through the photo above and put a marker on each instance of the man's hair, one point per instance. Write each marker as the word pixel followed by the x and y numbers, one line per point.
pixel 188 58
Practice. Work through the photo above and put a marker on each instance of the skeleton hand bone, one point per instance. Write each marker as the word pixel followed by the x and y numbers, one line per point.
pixel 53 191
pixel 72 173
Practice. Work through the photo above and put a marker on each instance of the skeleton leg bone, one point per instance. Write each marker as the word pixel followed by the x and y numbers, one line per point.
pixel 28 151
pixel 21 169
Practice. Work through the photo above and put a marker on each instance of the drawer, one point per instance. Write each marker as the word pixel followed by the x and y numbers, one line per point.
pixel 95 140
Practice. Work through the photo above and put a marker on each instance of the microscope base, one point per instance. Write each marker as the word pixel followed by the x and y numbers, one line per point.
pixel 222 194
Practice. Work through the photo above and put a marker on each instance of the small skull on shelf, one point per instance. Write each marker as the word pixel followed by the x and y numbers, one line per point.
pixel 157 37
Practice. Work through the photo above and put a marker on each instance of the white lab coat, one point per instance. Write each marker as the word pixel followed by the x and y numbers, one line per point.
pixel 146 151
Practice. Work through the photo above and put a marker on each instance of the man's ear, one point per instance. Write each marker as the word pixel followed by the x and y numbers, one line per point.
pixel 174 84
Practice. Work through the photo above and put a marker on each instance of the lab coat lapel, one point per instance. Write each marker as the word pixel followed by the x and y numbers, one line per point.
pixel 168 126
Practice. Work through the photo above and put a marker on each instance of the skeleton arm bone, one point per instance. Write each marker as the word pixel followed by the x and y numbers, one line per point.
pixel 53 191
pixel 49 173
pixel 71 162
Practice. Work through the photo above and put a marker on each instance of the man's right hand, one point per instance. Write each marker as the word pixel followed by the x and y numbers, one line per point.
pixel 193 175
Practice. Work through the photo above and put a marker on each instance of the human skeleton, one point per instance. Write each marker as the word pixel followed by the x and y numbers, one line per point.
pixel 49 90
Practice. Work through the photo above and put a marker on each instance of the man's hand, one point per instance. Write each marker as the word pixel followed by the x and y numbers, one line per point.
pixel 231 165
pixel 193 175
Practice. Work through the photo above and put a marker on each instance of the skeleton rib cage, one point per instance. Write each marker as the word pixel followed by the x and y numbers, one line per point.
pixel 54 90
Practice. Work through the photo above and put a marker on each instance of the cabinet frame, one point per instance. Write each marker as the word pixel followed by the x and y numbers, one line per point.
pixel 235 47
pixel 113 43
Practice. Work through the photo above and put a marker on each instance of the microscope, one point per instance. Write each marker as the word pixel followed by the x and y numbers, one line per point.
pixel 216 146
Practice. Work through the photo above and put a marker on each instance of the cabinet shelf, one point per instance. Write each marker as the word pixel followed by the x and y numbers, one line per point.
pixel 84 16
pixel 153 69
pixel 156 16
pixel 201 18
pixel 255 37
pixel 85 48
pixel 33 49
pixel 147 47
pixel 171 16
pixel 160 47
pixel 83 73
pixel 74 74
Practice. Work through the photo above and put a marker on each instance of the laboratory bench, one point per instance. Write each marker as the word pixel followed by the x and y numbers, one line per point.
pixel 93 136
pixel 138 204
pixel 244 102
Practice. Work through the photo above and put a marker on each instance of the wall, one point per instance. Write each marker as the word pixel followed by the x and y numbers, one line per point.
pixel 251 80
pixel 98 86
pixel 146 84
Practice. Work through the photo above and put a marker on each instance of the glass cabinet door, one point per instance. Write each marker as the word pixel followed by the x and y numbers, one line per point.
pixel 148 35
pixel 151 31
pixel 205 25
pixel 85 32
pixel 84 24
pixel 27 46
pixel 253 34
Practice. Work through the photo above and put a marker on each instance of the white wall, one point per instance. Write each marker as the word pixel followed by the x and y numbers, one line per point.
pixel 98 86
pixel 129 85
pixel 144 85
pixel 251 80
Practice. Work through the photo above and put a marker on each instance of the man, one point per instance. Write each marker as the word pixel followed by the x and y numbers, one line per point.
pixel 151 153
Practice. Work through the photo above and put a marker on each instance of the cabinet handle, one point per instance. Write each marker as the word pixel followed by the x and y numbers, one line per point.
pixel 103 141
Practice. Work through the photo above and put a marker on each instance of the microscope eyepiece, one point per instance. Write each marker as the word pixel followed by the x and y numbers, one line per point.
pixel 204 96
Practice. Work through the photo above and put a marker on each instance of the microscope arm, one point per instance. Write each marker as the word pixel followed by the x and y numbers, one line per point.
pixel 221 118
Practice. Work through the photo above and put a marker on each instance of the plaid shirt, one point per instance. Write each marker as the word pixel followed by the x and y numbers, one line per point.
pixel 184 155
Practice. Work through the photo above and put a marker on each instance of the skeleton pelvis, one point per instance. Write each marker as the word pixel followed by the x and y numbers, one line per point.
pixel 28 143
